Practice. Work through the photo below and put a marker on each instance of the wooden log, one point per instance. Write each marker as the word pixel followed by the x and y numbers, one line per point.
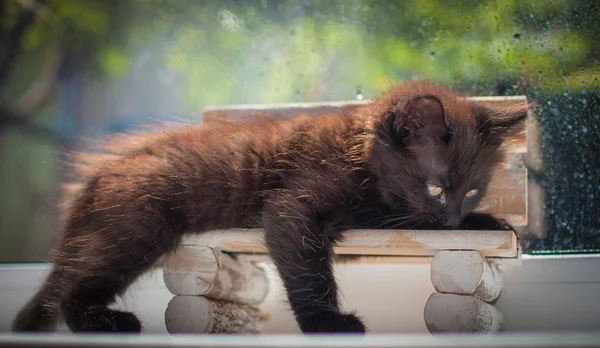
pixel 451 313
pixel 199 270
pixel 498 243
pixel 465 273
pixel 201 315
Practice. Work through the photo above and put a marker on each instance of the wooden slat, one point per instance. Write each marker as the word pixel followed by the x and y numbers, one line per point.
pixel 506 197
pixel 535 192
pixel 376 242
pixel 261 259
pixel 507 193
pixel 288 110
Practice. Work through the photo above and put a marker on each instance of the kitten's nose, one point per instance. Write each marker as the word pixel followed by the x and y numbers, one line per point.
pixel 452 221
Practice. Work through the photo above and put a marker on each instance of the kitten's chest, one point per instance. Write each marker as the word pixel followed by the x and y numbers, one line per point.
pixel 367 211
pixel 369 217
pixel 372 213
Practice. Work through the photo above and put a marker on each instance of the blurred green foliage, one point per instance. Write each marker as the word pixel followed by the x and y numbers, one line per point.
pixel 263 51
pixel 277 51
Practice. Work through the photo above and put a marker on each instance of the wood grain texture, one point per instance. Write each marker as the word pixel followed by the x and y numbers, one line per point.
pixel 450 313
pixel 507 196
pixel 198 270
pixel 535 192
pixel 465 273
pixel 200 315
pixel 262 259
pixel 376 242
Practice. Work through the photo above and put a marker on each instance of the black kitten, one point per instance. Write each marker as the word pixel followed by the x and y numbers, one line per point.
pixel 419 156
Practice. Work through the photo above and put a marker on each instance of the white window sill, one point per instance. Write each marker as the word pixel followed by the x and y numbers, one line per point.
pixel 542 294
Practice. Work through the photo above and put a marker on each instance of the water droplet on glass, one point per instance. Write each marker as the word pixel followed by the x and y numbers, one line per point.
pixel 359 94
pixel 228 20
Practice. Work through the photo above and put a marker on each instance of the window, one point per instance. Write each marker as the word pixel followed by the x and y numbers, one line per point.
pixel 76 69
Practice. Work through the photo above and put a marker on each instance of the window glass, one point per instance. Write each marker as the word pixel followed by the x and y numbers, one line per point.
pixel 74 70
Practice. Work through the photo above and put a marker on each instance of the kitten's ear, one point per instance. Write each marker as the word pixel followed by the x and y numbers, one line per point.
pixel 418 121
pixel 499 123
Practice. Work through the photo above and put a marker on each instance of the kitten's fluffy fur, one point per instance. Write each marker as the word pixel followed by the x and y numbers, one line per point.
pixel 303 180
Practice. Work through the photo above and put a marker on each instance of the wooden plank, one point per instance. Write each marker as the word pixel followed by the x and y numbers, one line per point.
pixel 376 242
pixel 535 192
pixel 261 259
pixel 507 193
pixel 288 110
pixel 506 197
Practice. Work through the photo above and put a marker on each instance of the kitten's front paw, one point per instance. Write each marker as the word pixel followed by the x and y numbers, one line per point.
pixel 504 225
pixel 331 322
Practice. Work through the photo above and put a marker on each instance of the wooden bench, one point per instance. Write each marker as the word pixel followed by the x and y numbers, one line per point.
pixel 217 292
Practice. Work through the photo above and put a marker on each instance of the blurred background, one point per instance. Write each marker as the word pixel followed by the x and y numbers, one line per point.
pixel 75 70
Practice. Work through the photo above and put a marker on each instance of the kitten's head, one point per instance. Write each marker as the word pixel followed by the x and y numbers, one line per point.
pixel 434 152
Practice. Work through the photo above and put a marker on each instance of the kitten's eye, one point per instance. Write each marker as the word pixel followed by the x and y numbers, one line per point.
pixel 435 190
pixel 472 193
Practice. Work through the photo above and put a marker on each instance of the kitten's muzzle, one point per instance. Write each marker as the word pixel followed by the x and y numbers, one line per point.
pixel 452 214
pixel 452 221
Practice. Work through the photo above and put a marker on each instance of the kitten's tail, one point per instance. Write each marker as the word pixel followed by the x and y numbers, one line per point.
pixel 42 312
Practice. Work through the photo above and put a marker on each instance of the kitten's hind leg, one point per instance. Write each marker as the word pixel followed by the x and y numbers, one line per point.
pixel 85 308
pixel 99 273
pixel 42 312
pixel 84 281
